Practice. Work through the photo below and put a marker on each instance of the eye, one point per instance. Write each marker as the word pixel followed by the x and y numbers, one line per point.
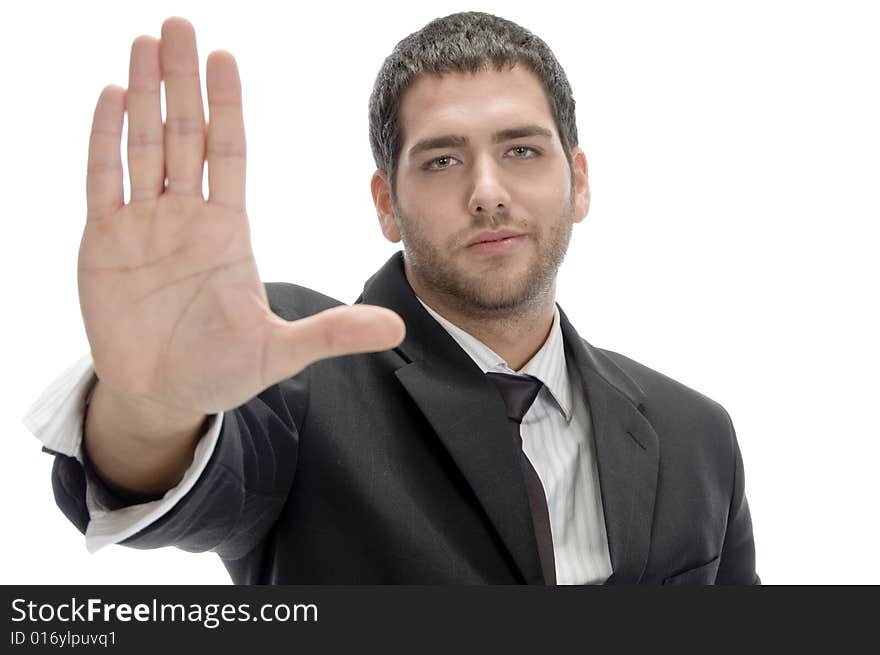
pixel 439 163
pixel 524 152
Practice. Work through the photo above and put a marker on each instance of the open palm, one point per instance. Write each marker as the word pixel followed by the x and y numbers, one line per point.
pixel 171 298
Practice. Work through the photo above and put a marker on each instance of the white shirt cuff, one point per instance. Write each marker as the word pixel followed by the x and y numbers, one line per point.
pixel 56 419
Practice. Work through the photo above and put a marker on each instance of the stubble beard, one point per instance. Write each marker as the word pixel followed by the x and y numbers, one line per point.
pixel 488 295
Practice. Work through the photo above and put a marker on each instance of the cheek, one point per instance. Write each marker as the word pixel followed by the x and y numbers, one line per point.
pixel 547 209
pixel 441 196
pixel 434 212
pixel 546 189
pixel 423 221
pixel 421 195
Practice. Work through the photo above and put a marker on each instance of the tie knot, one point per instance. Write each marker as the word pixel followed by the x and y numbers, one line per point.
pixel 518 392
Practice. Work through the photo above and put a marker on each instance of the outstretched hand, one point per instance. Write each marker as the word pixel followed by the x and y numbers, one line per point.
pixel 173 306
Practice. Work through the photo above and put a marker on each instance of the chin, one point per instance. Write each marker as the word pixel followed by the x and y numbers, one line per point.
pixel 500 287
pixel 497 295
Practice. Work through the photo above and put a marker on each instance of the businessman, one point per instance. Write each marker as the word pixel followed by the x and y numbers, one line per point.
pixel 449 427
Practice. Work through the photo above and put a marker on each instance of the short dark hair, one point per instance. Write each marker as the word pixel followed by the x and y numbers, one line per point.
pixel 464 42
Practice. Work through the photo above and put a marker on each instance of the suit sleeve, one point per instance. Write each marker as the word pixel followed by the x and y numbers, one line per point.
pixel 242 490
pixel 236 498
pixel 105 515
pixel 737 564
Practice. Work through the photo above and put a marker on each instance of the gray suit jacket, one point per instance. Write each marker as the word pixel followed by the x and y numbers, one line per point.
pixel 395 467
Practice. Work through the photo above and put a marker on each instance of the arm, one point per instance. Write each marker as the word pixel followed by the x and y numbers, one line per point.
pixel 245 484
pixel 229 496
pixel 178 321
pixel 737 564
pixel 102 514
pixel 137 449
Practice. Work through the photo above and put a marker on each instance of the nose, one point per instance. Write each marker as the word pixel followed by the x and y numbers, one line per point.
pixel 489 195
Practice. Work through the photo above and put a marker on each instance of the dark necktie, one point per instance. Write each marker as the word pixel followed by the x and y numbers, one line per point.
pixel 519 392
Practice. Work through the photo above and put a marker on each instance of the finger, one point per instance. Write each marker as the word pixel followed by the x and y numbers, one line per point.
pixel 331 333
pixel 185 117
pixel 226 142
pixel 146 159
pixel 104 193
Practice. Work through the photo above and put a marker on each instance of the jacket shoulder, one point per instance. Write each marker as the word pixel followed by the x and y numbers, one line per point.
pixel 653 382
pixel 701 471
pixel 663 394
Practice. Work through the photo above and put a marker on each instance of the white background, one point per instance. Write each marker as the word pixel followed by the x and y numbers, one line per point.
pixel 734 153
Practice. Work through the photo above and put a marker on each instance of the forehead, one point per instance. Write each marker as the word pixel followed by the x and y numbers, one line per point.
pixel 474 103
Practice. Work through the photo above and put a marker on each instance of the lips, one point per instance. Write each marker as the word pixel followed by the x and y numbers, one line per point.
pixel 490 236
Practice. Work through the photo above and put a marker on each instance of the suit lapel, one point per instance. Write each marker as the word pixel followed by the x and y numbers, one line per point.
pixel 468 415
pixel 627 454
pixel 466 412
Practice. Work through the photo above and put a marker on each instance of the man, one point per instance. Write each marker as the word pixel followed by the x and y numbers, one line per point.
pixel 308 442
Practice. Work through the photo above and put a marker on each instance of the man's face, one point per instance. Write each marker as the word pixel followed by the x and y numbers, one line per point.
pixel 485 202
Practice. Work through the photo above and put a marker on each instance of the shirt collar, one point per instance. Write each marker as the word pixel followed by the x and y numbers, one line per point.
pixel 548 364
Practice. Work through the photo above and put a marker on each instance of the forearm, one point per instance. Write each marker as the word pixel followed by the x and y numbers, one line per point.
pixel 136 448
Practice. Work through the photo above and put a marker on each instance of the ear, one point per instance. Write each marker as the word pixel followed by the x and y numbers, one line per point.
pixel 581 184
pixel 384 207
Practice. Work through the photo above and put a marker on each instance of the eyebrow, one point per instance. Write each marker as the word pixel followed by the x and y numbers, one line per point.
pixel 458 141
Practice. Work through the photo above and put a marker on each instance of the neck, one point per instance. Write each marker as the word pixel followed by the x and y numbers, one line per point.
pixel 514 333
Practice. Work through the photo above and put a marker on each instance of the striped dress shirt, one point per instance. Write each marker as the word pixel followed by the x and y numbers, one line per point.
pixel 558 440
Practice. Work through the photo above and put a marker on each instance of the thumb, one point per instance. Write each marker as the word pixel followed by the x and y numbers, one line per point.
pixel 293 345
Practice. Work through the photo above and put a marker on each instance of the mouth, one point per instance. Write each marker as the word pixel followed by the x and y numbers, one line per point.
pixel 498 236
pixel 496 245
